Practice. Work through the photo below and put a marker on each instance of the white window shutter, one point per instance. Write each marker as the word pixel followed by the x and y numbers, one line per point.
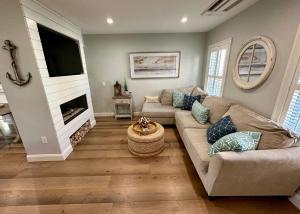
pixel 292 118
pixel 217 64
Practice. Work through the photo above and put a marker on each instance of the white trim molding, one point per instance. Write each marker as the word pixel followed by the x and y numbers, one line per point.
pixel 50 157
pixel 112 114
pixel 104 114
pixel 290 77
pixel 217 46
pixel 296 200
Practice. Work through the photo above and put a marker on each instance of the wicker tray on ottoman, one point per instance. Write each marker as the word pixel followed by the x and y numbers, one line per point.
pixel 146 145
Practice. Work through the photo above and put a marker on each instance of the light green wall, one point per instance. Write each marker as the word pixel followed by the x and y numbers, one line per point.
pixel 277 19
pixel 108 60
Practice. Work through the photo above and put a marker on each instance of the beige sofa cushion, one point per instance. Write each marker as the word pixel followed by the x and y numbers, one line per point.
pixel 186 90
pixel 198 91
pixel 158 110
pixel 197 146
pixel 217 106
pixel 166 97
pixel 185 119
pixel 273 135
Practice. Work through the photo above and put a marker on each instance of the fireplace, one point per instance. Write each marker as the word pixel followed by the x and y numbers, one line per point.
pixel 73 108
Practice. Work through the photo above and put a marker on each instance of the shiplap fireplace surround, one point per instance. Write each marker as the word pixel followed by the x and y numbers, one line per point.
pixel 58 90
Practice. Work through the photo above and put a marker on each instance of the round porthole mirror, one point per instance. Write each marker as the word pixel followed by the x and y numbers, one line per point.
pixel 254 63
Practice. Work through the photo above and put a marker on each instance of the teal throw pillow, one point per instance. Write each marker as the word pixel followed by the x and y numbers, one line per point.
pixel 238 142
pixel 178 98
pixel 200 113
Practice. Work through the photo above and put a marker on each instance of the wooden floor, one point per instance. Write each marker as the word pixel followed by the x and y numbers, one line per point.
pixel 101 176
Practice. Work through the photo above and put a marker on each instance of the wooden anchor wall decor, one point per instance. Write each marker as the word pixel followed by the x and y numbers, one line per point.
pixel 18 80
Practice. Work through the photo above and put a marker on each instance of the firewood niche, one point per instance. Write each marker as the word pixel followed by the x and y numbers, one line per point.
pixel 77 137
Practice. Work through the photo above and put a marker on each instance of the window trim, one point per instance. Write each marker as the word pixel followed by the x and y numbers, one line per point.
pixel 289 82
pixel 224 43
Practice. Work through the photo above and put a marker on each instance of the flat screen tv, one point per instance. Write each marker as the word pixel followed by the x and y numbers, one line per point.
pixel 62 53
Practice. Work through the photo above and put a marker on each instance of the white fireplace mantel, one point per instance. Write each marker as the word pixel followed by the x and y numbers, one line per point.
pixel 58 90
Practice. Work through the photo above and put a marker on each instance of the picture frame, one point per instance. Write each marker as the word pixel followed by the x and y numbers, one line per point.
pixel 150 65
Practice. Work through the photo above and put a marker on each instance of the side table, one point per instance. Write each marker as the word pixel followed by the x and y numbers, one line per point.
pixel 123 106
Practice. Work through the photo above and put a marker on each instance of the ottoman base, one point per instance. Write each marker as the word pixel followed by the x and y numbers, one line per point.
pixel 146 145
pixel 145 154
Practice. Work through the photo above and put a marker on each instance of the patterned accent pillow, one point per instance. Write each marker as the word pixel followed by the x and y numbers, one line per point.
pixel 200 113
pixel 166 97
pixel 189 100
pixel 237 142
pixel 198 91
pixel 221 128
pixel 178 99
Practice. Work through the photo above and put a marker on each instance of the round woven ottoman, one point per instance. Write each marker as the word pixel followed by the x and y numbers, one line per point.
pixel 146 145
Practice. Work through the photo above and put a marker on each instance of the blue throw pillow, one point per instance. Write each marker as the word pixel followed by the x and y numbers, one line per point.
pixel 200 113
pixel 221 128
pixel 237 142
pixel 189 100
pixel 178 99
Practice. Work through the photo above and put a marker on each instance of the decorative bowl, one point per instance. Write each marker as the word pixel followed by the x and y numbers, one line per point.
pixel 152 127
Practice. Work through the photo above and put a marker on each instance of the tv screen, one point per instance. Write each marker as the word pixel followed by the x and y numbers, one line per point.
pixel 62 53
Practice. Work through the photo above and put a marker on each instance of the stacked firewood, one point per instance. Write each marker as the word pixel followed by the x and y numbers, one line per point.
pixel 80 133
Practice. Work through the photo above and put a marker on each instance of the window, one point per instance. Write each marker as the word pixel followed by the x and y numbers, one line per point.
pixel 292 116
pixel 287 107
pixel 217 67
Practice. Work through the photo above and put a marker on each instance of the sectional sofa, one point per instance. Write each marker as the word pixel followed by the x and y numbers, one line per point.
pixel 165 114
pixel 272 169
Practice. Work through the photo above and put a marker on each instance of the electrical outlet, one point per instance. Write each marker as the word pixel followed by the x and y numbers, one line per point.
pixel 103 83
pixel 44 139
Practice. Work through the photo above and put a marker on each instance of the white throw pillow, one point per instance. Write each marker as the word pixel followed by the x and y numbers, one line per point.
pixel 149 99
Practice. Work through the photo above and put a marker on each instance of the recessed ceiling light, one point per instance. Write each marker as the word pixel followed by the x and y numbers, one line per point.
pixel 184 19
pixel 109 21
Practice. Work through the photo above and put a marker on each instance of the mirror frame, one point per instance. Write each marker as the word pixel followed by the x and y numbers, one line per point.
pixel 270 48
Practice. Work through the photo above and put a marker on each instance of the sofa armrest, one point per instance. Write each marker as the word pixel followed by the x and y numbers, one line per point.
pixel 259 172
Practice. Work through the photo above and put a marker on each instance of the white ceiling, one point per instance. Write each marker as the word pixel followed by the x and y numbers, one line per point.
pixel 141 16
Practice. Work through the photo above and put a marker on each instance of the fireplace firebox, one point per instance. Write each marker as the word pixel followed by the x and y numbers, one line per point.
pixel 73 108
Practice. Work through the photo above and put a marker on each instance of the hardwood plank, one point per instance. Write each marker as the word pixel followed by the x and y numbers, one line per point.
pixel 9 168
pixel 95 195
pixel 198 206
pixel 13 149
pixel 144 180
pixel 120 153
pixel 13 157
pixel 85 147
pixel 96 208
pixel 165 207
pixel 49 183
pixel 88 167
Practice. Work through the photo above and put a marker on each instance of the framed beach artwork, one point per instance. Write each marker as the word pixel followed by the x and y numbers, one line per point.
pixel 154 65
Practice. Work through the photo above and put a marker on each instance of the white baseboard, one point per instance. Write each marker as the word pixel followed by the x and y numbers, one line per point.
pixel 104 114
pixel 50 157
pixel 296 200
pixel 111 114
